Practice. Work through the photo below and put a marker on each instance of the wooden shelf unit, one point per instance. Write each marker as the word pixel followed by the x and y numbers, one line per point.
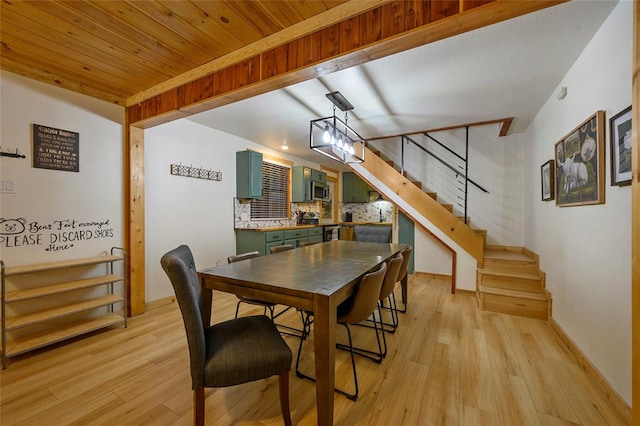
pixel 72 328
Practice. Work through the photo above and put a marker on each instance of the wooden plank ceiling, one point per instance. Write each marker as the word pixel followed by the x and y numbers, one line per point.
pixel 113 50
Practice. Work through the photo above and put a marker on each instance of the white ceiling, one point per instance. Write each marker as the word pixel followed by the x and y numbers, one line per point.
pixel 505 70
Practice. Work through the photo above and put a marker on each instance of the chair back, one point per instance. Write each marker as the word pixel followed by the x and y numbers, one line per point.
pixel 278 249
pixel 406 254
pixel 243 256
pixel 308 243
pixel 391 277
pixel 180 267
pixel 373 233
pixel 364 301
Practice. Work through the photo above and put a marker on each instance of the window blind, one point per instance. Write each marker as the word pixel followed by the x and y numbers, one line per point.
pixel 274 203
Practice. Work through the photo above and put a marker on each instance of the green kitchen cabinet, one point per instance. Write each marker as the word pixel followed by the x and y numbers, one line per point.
pixel 354 189
pixel 406 235
pixel 318 176
pixel 296 236
pixel 301 178
pixel 248 174
pixel 255 240
pixel 261 241
pixel 315 235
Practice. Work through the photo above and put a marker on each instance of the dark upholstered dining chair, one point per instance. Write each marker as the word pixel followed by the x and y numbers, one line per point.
pixel 372 233
pixel 355 309
pixel 282 247
pixel 241 299
pixel 237 351
pixel 288 330
pixel 308 243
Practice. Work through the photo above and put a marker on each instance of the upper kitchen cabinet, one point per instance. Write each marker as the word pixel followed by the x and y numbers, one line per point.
pixel 354 189
pixel 248 174
pixel 308 184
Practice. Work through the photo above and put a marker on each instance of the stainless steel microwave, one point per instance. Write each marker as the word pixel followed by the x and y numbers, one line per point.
pixel 319 191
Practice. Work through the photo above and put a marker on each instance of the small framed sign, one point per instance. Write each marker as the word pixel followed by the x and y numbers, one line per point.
pixel 547 175
pixel 620 142
pixel 55 149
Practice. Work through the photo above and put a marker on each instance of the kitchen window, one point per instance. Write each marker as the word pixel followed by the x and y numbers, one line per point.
pixel 274 203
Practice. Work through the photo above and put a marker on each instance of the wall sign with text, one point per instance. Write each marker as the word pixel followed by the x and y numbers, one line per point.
pixel 52 236
pixel 55 149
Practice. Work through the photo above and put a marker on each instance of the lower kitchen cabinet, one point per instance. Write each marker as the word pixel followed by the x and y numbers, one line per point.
pixel 315 235
pixel 261 240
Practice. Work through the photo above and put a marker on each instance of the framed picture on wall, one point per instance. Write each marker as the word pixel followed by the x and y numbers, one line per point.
pixel 547 180
pixel 579 164
pixel 620 143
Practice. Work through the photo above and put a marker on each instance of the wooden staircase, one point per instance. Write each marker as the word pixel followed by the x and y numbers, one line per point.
pixel 508 278
pixel 510 282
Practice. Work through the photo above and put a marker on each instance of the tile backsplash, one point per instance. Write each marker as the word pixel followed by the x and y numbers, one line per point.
pixel 368 212
pixel 362 212
pixel 242 215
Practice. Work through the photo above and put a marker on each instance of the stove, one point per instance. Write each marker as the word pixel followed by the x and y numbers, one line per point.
pixel 309 221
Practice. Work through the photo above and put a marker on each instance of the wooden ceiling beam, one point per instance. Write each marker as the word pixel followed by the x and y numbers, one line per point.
pixel 284 60
pixel 308 26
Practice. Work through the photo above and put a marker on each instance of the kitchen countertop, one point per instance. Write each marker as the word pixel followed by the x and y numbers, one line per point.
pixel 306 226
pixel 364 223
pixel 283 228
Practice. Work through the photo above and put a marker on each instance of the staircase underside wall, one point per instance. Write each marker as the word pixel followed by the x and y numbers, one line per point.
pixel 465 263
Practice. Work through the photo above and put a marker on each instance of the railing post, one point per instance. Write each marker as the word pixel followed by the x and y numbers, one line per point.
pixel 402 155
pixel 466 173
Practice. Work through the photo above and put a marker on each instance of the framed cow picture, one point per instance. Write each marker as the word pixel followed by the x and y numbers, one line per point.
pixel 579 161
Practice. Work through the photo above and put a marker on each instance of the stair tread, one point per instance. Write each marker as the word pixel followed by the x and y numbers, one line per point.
pixel 514 274
pixel 513 293
pixel 507 255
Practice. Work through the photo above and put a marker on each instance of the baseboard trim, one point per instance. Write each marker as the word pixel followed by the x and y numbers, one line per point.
pixel 432 275
pixel 618 403
pixel 159 303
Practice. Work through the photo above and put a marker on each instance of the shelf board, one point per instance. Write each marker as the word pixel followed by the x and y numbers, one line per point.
pixel 41 339
pixel 38 317
pixel 49 266
pixel 18 295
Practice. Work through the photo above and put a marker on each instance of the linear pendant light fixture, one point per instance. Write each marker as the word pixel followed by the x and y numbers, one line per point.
pixel 333 137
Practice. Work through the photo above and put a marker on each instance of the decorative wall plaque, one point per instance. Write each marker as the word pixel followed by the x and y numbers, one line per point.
pixel 55 149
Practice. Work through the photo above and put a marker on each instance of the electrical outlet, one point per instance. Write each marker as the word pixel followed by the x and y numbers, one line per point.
pixel 7 187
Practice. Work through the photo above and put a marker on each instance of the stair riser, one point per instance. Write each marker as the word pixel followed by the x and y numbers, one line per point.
pixel 529 267
pixel 511 283
pixel 514 306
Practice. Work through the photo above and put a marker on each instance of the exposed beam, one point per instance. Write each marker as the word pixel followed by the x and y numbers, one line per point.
pixel 505 122
pixel 308 26
pixel 385 30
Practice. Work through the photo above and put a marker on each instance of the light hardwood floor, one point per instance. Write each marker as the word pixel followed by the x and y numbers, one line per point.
pixel 448 364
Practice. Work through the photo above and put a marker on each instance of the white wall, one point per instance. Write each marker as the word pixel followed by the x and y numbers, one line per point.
pixel 94 194
pixel 586 250
pixel 181 210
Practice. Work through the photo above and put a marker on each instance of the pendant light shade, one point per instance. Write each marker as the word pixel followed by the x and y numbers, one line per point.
pixel 333 137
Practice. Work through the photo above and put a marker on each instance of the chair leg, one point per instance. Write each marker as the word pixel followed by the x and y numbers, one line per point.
pixel 353 396
pixel 300 374
pixel 284 398
pixel 238 308
pixel 198 407
pixel 404 284
pixel 306 329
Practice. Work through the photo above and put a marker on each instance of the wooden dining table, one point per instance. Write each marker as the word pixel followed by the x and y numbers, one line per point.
pixel 315 278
